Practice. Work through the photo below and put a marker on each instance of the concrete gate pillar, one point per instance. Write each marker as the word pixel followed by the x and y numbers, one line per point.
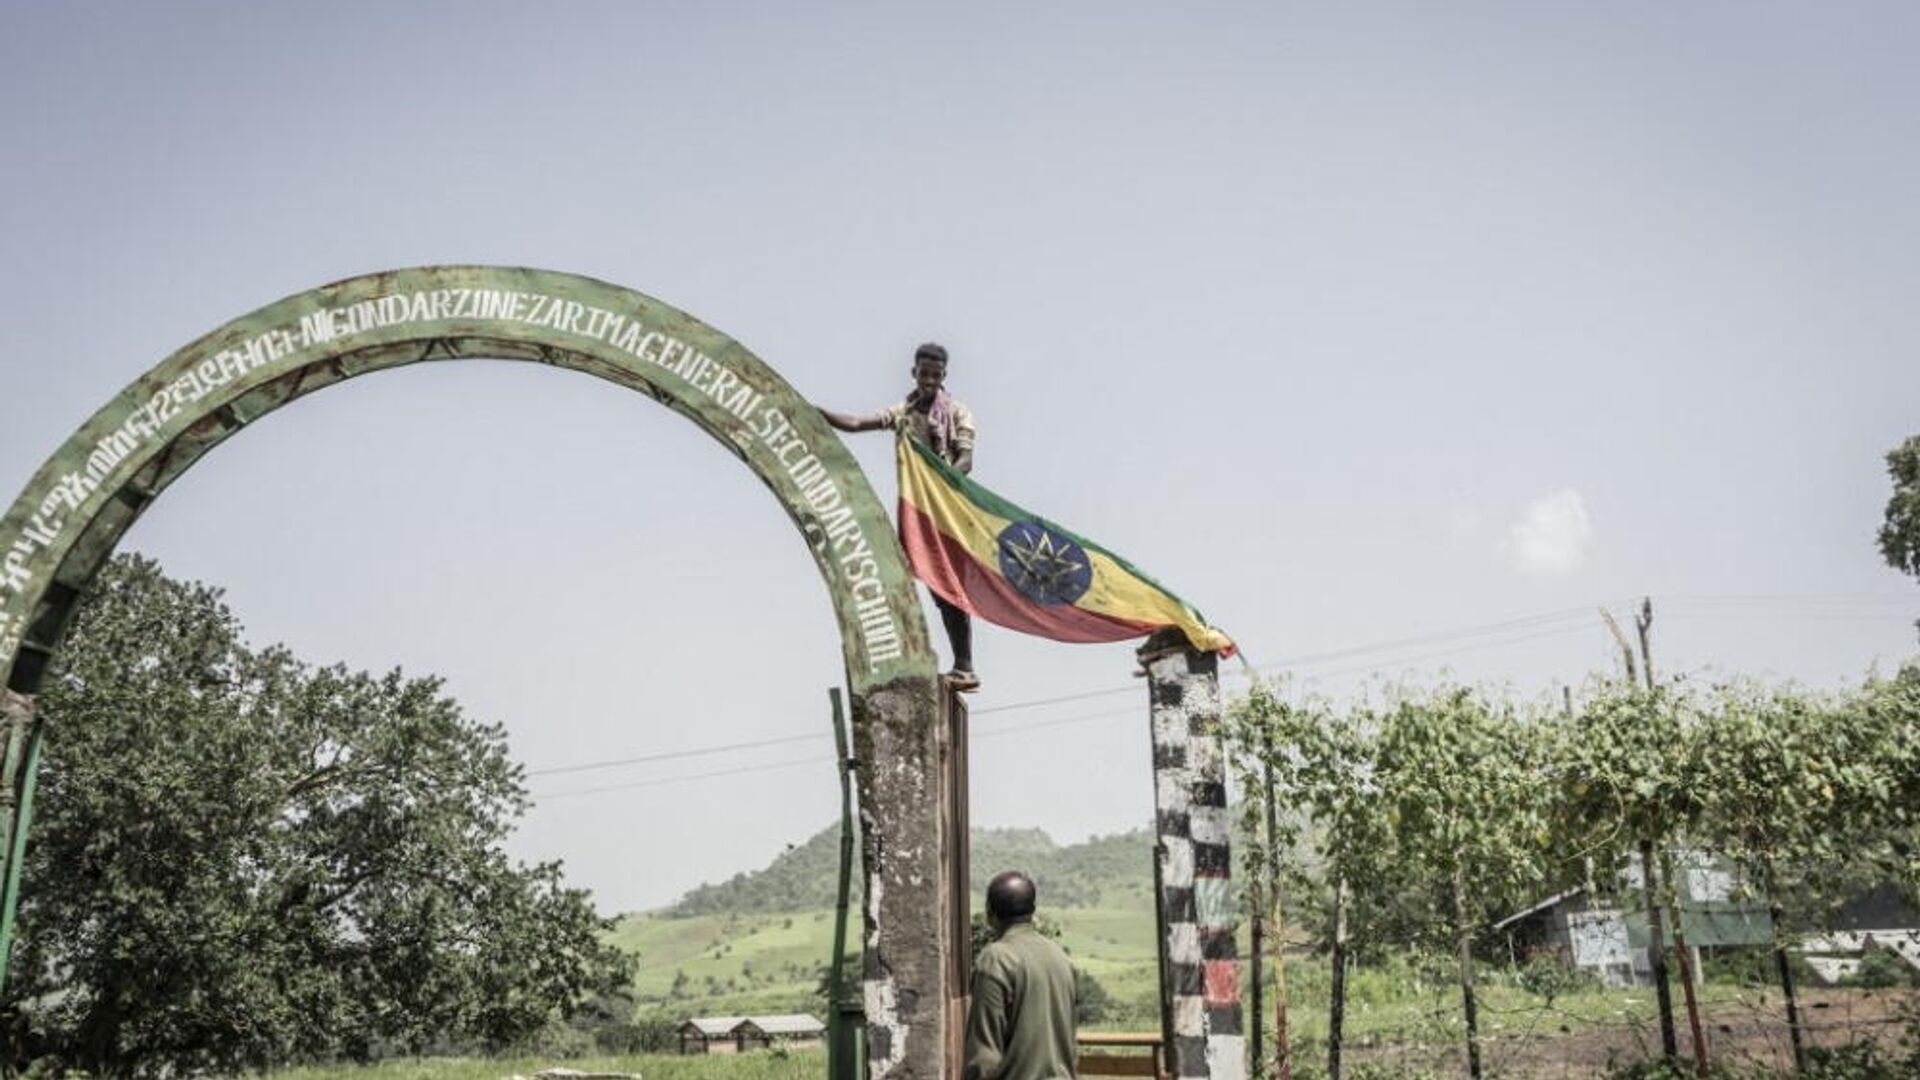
pixel 1199 969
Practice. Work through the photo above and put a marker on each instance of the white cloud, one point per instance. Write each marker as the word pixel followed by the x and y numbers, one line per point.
pixel 1553 536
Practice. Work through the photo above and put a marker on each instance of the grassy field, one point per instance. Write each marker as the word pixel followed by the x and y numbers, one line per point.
pixel 746 964
pixel 799 1065
pixel 759 963
pixel 1397 1029
pixel 727 964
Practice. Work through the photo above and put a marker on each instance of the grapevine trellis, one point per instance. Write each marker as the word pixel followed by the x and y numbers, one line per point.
pixel 1418 816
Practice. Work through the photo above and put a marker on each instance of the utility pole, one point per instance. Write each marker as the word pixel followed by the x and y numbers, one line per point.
pixel 1656 938
pixel 1643 623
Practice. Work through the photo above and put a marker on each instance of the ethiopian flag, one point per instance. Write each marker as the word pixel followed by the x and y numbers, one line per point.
pixel 982 553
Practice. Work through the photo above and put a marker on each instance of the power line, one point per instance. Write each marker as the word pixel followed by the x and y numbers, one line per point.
pixel 1568 615
pixel 1531 628
pixel 1409 661
pixel 991 733
pixel 671 755
pixel 1547 624
pixel 661 781
pixel 1786 598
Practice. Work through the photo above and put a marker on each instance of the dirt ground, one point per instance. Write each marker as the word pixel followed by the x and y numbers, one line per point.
pixel 1749 1032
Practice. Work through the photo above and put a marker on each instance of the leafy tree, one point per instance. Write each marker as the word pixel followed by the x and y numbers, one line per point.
pixel 1090 1001
pixel 1900 532
pixel 240 861
pixel 980 932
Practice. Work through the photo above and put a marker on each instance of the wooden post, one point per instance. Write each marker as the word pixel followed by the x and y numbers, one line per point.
pixel 1694 1028
pixel 1785 971
pixel 1657 953
pixel 1165 981
pixel 1337 1006
pixel 1282 1041
pixel 1257 944
pixel 1643 623
pixel 958 889
pixel 1463 936
pixel 1656 942
pixel 842 1055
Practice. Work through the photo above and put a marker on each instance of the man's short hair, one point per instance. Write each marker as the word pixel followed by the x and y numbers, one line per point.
pixel 931 351
pixel 1011 897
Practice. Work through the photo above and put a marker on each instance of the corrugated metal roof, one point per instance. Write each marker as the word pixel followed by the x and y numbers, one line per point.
pixel 713 1025
pixel 1538 908
pixel 789 1024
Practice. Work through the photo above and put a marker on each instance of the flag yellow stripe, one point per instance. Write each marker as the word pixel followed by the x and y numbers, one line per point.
pixel 952 512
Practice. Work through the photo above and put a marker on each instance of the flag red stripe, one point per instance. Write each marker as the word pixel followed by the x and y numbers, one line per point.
pixel 950 570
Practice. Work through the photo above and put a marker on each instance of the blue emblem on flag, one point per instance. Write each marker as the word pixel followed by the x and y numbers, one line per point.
pixel 1042 565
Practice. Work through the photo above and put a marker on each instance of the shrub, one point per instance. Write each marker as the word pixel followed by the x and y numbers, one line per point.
pixel 1881 969
pixel 1548 978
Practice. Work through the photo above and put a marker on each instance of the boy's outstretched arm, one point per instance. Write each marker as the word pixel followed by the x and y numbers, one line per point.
pixel 853 423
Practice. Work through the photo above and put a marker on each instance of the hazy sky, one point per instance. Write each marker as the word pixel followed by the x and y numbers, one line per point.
pixel 1352 327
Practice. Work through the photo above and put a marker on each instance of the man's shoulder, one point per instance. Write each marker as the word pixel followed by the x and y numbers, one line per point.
pixel 1011 949
pixel 996 953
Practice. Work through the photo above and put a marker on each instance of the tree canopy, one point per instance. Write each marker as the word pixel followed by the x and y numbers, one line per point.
pixel 1900 532
pixel 240 860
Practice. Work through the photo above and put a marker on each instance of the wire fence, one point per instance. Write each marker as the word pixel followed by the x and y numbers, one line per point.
pixel 1402 1027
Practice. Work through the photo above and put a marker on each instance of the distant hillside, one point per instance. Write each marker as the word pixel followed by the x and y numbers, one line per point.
pixel 1105 871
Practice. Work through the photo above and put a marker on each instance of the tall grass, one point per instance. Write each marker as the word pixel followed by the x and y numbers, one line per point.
pixel 808 1064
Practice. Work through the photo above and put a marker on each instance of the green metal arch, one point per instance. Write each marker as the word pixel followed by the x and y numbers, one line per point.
pixel 73 512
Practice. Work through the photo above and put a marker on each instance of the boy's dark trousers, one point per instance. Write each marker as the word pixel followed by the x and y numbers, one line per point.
pixel 959 633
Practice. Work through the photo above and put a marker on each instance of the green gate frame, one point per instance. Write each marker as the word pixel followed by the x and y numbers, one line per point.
pixel 73 512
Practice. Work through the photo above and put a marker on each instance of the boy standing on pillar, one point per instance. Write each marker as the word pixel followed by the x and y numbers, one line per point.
pixel 938 420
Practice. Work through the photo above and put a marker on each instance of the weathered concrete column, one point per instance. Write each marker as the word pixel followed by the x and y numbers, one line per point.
pixel 898 742
pixel 1200 973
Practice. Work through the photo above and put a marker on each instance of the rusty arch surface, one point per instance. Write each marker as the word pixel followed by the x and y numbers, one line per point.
pixel 73 512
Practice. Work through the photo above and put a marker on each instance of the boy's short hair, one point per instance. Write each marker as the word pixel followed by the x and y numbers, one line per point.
pixel 931 351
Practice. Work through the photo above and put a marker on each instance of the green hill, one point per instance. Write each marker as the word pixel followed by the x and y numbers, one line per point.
pixel 757 942
pixel 1113 869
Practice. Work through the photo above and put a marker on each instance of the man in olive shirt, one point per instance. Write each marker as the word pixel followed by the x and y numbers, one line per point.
pixel 1020 1025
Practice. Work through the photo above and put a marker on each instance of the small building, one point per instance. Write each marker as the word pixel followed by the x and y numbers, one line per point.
pixel 1579 933
pixel 735 1034
pixel 1879 918
pixel 1608 935
pixel 793 1029
pixel 710 1035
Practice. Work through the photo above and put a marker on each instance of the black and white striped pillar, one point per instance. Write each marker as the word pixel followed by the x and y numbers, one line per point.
pixel 1200 973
